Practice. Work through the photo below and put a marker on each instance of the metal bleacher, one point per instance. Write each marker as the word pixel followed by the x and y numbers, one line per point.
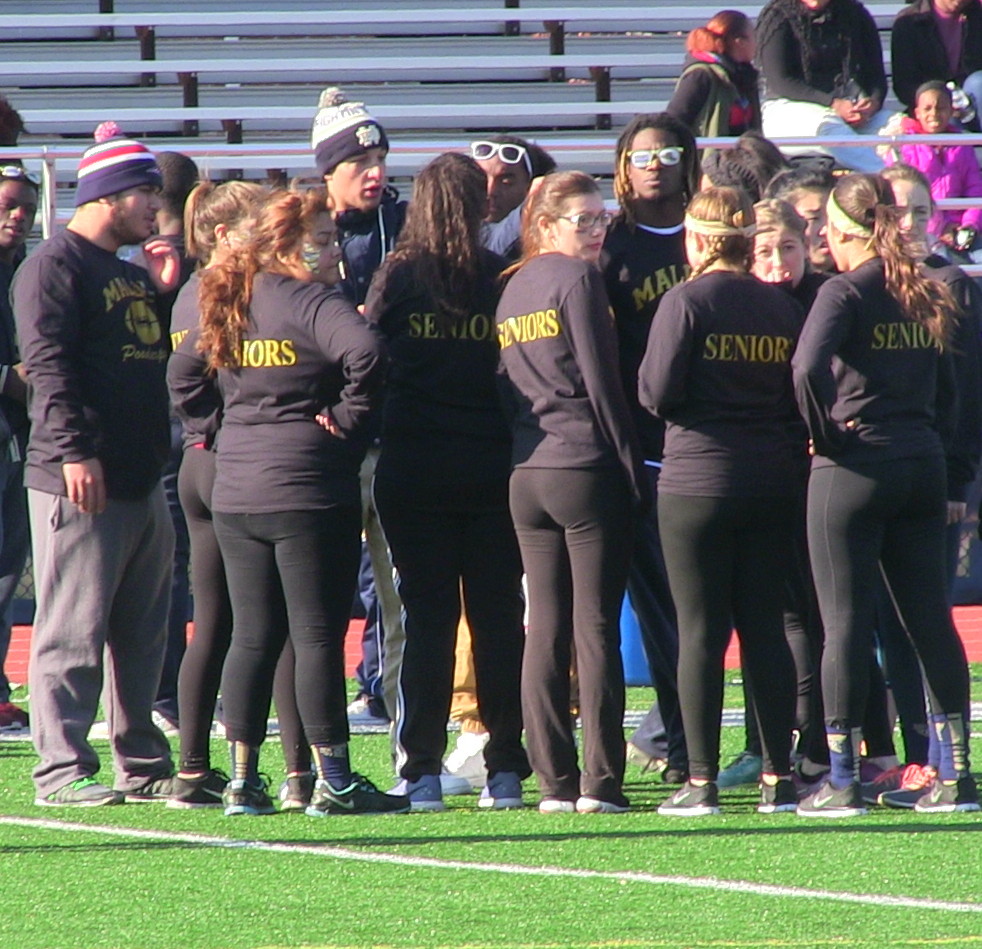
pixel 234 83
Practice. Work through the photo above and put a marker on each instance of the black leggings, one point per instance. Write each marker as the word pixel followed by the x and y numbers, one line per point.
pixel 312 556
pixel 726 560
pixel 201 668
pixel 449 541
pixel 575 529
pixel 888 516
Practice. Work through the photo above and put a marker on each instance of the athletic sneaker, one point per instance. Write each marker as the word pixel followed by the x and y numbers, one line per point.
pixel 915 781
pixel 453 785
pixel 745 768
pixel 587 804
pixel 359 797
pixel 503 792
pixel 240 797
pixel 166 725
pixel 647 763
pixel 296 792
pixel 85 792
pixel 154 791
pixel 891 779
pixel 467 759
pixel 777 798
pixel 692 800
pixel 945 797
pixel 13 716
pixel 203 791
pixel 556 805
pixel 828 801
pixel 424 794
pixel 365 710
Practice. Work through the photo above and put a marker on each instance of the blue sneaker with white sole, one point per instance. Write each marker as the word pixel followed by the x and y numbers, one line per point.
pixel 502 792
pixel 425 794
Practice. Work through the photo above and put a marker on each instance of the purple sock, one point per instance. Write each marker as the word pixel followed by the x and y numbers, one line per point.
pixel 953 747
pixel 333 764
pixel 843 757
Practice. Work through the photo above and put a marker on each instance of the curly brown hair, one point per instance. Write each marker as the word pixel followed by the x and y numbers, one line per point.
pixel 441 239
pixel 276 246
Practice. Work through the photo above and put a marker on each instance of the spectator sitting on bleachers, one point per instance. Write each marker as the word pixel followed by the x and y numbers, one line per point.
pixel 823 71
pixel 716 93
pixel 952 170
pixel 938 39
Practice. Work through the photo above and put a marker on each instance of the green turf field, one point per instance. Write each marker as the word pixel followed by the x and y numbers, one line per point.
pixel 145 877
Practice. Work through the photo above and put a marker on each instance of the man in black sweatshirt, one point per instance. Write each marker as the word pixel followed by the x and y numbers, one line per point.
pixel 95 355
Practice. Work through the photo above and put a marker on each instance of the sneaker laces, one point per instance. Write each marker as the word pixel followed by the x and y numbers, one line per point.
pixel 890 776
pixel 916 777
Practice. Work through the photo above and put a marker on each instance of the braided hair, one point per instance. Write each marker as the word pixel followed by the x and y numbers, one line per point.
pixel 660 121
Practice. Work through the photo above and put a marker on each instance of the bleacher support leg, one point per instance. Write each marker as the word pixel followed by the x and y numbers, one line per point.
pixel 601 78
pixel 557 46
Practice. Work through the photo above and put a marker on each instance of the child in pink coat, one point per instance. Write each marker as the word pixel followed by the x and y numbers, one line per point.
pixel 952 170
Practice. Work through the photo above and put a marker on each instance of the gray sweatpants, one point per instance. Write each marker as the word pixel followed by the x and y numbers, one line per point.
pixel 102 585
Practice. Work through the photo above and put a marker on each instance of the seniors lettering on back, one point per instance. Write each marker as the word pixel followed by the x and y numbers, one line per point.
pixel 529 327
pixel 747 347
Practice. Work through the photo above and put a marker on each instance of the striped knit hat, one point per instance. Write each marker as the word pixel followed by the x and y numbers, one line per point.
pixel 114 164
pixel 343 130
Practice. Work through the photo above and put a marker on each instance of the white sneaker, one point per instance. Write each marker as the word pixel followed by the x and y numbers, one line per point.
pixel 555 805
pixel 452 785
pixel 594 805
pixel 467 759
pixel 164 724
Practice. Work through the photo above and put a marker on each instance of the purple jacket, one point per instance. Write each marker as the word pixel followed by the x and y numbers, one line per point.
pixel 953 172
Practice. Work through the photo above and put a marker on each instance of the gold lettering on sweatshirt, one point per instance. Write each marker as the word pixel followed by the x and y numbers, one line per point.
pixel 657 284
pixel 904 335
pixel 529 327
pixel 476 327
pixel 267 353
pixel 747 347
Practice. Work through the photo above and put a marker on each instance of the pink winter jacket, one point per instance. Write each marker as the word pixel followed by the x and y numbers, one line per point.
pixel 953 172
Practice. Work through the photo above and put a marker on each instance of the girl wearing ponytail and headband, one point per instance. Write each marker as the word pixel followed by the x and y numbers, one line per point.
pixel 718 370
pixel 874 380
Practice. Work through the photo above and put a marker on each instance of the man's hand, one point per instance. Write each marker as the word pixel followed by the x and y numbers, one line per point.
pixel 956 512
pixel 86 485
pixel 847 110
pixel 867 107
pixel 162 263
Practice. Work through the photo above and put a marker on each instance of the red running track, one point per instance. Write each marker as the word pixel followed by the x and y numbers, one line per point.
pixel 968 621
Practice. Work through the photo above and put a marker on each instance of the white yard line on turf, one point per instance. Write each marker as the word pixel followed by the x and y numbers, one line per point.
pixel 629 876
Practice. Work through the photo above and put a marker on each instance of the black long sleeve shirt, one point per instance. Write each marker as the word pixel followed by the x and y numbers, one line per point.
pixel 832 64
pixel 718 370
pixel 95 354
pixel 559 350
pixel 870 381
pixel 306 350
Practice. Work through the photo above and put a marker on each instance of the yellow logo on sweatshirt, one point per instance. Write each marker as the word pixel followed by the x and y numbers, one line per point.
pixel 529 327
